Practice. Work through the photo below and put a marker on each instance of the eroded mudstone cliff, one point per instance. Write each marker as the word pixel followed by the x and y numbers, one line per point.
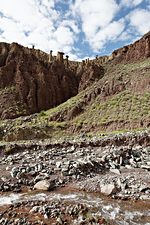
pixel 130 53
pixel 31 82
pixel 87 74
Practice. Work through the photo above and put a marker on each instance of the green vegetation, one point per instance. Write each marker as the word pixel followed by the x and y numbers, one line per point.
pixel 123 110
pixel 7 89
pixel 130 67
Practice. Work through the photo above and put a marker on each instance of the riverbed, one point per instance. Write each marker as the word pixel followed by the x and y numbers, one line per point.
pixel 115 211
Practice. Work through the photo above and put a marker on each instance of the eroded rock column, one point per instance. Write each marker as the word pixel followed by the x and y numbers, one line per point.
pixel 147 46
pixel 60 57
pixel 3 54
pixel 67 61
pixel 50 56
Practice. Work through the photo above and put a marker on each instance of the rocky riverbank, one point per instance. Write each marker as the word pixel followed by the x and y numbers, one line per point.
pixel 116 166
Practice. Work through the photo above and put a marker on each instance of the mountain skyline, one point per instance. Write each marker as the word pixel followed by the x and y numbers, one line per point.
pixel 79 28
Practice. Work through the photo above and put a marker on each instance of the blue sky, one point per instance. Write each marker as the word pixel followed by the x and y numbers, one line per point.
pixel 79 28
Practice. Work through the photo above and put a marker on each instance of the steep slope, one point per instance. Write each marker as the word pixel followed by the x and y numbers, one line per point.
pixel 29 82
pixel 113 95
pixel 136 51
pixel 119 101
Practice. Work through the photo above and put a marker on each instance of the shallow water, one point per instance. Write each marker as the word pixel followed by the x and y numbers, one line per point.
pixel 121 213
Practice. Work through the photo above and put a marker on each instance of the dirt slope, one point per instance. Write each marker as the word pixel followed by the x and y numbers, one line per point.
pixel 30 83
pixel 108 96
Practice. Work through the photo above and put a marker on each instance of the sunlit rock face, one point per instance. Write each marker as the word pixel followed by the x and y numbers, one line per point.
pixel 139 50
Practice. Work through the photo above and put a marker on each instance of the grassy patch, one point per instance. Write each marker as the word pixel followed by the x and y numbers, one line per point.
pixel 126 107
pixel 121 107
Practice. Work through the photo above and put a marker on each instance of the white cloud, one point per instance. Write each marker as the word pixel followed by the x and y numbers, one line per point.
pixel 66 38
pixel 96 21
pixel 124 36
pixel 94 15
pixel 72 24
pixel 130 3
pixel 36 22
pixel 110 33
pixel 41 23
pixel 21 11
pixel 140 20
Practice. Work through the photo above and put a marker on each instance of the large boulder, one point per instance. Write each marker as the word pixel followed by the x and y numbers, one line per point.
pixel 108 189
pixel 45 185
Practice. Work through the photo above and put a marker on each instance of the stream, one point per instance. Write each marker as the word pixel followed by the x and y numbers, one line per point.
pixel 77 179
pixel 117 211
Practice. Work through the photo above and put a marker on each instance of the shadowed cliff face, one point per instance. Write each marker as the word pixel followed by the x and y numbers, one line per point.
pixel 30 83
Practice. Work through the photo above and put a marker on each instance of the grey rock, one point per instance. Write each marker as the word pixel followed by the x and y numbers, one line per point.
pixel 128 166
pixel 116 171
pixel 35 209
pixel 144 188
pixel 112 165
pixel 147 167
pixel 59 221
pixel 108 189
pixel 145 197
pixel 44 185
pixel 58 164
